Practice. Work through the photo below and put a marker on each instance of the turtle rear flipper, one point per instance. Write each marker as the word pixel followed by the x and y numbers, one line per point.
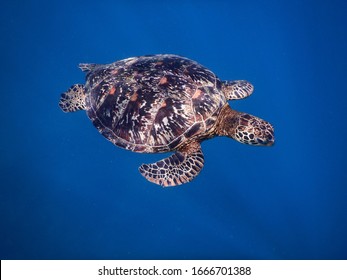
pixel 73 100
pixel 182 167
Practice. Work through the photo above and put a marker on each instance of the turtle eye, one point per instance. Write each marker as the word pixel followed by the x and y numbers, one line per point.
pixel 257 131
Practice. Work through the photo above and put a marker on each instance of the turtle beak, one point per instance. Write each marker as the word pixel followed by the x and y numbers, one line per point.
pixel 264 133
pixel 270 142
pixel 269 136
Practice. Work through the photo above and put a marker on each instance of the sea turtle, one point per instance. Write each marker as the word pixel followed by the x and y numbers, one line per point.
pixel 162 103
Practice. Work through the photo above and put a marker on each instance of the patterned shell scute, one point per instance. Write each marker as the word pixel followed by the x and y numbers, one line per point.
pixel 153 103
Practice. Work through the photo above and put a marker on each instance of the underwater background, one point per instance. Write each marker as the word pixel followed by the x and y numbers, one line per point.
pixel 68 193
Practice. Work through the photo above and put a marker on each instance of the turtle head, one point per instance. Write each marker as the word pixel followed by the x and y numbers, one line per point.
pixel 253 130
pixel 245 128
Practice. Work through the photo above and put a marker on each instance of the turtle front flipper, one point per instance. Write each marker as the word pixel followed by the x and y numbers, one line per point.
pixel 182 167
pixel 74 99
pixel 238 89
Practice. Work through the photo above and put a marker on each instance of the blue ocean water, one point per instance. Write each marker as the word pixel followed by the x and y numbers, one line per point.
pixel 67 193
